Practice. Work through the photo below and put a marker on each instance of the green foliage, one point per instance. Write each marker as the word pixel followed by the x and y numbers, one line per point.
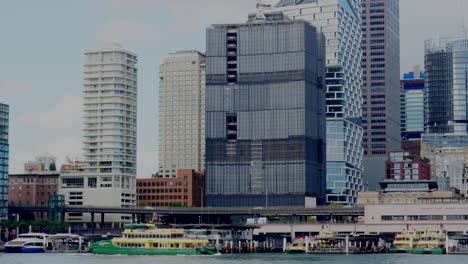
pixel 426 160
pixel 52 167
pixel 411 157
pixel 37 226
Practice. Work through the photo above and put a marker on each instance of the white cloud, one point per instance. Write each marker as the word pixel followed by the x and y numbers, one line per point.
pixel 11 86
pixel 190 15
pixel 127 31
pixel 66 114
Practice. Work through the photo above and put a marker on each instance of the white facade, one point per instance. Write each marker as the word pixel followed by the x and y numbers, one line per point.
pixel 340 23
pixel 109 144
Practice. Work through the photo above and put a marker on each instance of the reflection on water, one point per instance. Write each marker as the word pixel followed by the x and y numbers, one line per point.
pixel 53 258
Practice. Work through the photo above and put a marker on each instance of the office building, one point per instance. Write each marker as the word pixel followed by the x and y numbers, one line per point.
pixel 446 85
pixel 182 113
pixel 4 154
pixel 445 142
pixel 448 156
pixel 412 105
pixel 32 189
pixel 265 113
pixel 340 22
pixel 402 166
pixel 186 189
pixel 110 135
pixel 381 71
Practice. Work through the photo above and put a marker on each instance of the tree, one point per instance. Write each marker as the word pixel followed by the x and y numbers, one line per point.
pixel 52 166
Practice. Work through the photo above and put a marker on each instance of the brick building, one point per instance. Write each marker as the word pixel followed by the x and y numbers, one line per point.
pixel 187 189
pixel 32 189
pixel 403 166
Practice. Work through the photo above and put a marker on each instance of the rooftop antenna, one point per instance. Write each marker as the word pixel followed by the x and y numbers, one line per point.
pixel 463 18
pixel 260 14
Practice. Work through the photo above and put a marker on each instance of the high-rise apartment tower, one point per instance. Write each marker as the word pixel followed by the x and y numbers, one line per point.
pixel 182 113
pixel 110 134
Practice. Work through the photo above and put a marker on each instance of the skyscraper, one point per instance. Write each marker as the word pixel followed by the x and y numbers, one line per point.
pixel 412 105
pixel 4 154
pixel 182 113
pixel 110 134
pixel 445 142
pixel 340 23
pixel 446 85
pixel 381 76
pixel 265 113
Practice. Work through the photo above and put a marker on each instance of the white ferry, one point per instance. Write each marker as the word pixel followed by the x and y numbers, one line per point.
pixel 27 243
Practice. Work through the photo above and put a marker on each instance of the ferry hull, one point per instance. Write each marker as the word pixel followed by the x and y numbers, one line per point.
pixel 111 249
pixel 429 251
pixel 399 250
pixel 8 249
pixel 295 251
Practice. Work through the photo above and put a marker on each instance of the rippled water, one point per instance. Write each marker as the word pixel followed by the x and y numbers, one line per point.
pixel 51 258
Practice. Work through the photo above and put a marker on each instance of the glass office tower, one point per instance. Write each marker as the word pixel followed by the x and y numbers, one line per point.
pixel 412 105
pixel 4 151
pixel 340 23
pixel 265 113
pixel 446 63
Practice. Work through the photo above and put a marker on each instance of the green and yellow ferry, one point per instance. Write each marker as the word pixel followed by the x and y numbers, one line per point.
pixel 147 239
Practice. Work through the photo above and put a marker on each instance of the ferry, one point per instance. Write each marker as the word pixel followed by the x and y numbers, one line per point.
pixel 27 243
pixel 432 241
pixel 147 239
pixel 323 239
pixel 402 242
pixel 297 247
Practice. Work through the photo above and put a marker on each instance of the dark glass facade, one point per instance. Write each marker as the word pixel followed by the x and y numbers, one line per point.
pixel 4 152
pixel 265 106
pixel 446 103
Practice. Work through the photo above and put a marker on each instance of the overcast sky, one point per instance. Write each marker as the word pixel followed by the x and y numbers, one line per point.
pixel 42 44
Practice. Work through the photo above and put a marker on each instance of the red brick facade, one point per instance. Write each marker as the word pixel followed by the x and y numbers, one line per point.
pixel 401 165
pixel 31 189
pixel 187 189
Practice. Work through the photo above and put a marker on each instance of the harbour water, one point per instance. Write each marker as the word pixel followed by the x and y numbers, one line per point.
pixel 56 258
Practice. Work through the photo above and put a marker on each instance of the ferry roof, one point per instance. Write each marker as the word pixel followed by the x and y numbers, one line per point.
pixel 138 225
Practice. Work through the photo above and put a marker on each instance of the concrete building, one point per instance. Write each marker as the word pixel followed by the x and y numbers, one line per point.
pixel 186 189
pixel 340 23
pixel 32 189
pixel 110 136
pixel 33 166
pixel 448 156
pixel 381 71
pixel 412 105
pixel 182 113
pixel 402 166
pixel 381 93
pixel 4 154
pixel 265 113
pixel 74 166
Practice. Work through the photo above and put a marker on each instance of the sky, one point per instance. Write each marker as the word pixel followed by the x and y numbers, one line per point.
pixel 42 44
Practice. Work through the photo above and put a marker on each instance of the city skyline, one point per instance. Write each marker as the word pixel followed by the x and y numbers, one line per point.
pixel 54 75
